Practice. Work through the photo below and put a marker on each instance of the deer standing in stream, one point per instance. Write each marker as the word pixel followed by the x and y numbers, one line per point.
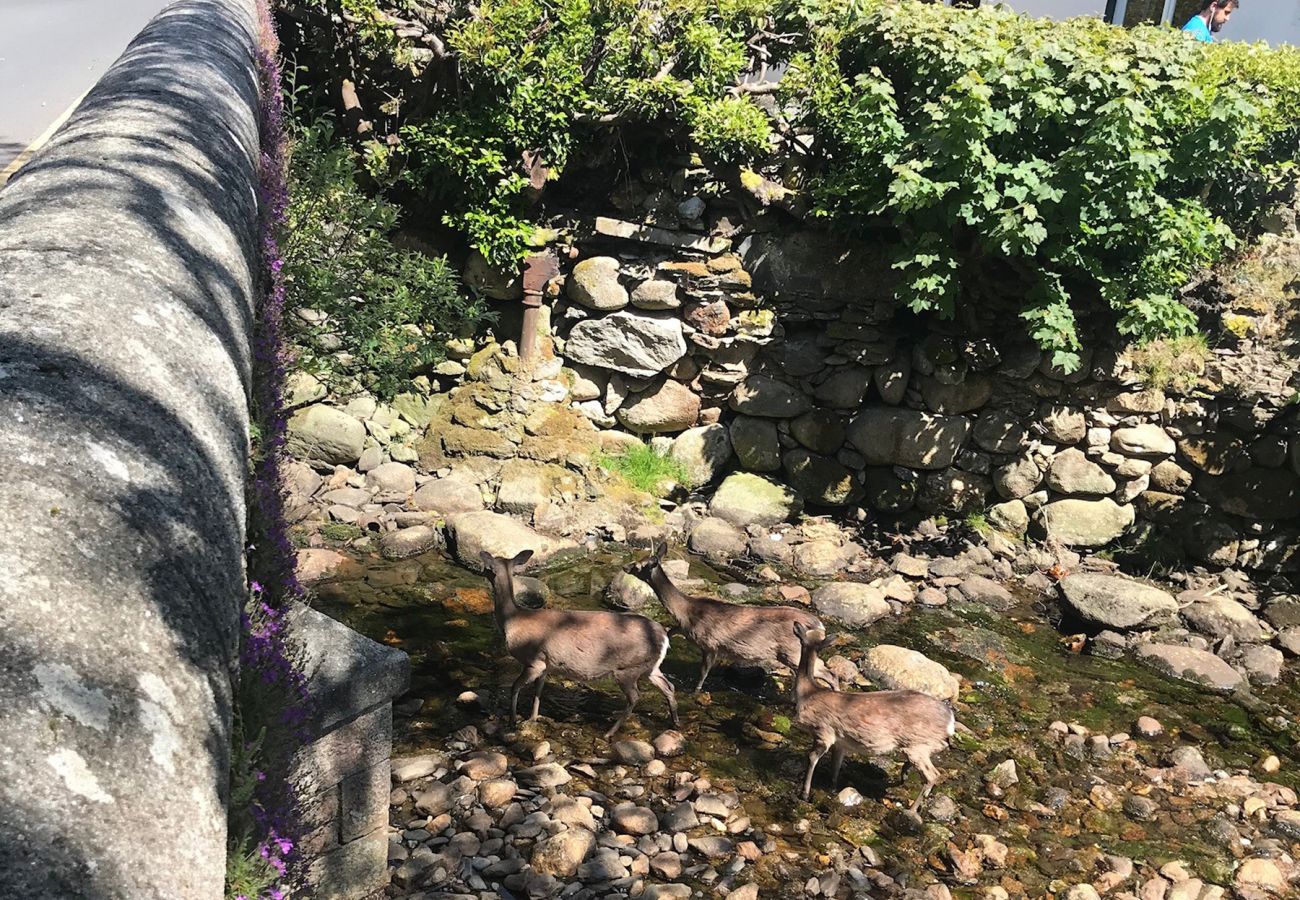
pixel 582 644
pixel 751 634
pixel 873 723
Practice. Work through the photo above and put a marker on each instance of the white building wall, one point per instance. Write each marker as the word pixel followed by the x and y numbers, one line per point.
pixel 1058 9
pixel 1275 21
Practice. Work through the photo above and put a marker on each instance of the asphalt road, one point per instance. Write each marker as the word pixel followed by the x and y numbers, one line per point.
pixel 52 52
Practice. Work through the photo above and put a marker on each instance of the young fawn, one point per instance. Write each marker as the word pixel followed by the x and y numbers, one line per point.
pixel 873 724
pixel 581 644
pixel 752 634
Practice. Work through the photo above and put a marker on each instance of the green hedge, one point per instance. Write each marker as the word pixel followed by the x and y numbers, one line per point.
pixel 1060 163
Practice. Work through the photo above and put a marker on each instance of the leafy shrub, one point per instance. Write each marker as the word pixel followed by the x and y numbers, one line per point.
pixel 1061 164
pixel 354 292
pixel 643 468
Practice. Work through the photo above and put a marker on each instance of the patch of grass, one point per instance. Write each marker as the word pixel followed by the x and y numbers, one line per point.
pixel 782 724
pixel 1171 362
pixel 978 522
pixel 644 469
pixel 340 531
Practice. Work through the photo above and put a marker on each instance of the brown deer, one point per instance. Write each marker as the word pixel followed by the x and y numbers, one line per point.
pixel 582 644
pixel 874 723
pixel 752 634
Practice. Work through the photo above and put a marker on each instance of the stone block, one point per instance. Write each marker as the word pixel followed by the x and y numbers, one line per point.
pixel 357 745
pixel 364 801
pixel 354 870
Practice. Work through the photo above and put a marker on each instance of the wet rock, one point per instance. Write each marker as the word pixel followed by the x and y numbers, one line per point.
pixel 703 453
pixel 755 443
pixel 1189 664
pixel 1144 441
pixel 1219 616
pixel 668 407
pixel 317 563
pixel 718 539
pixel 766 397
pixel 563 853
pixel 1073 473
pixel 904 669
pixel 498 534
pixel 904 437
pixel 1086 523
pixel 409 768
pixel 483 764
pixel 408 541
pixel 325 434
pixel 852 603
pixel 1263 664
pixel 986 592
pixel 744 499
pixel 495 793
pixel 680 817
pixel 712 846
pixel 629 342
pixel 628 818
pixel 633 752
pixel 669 744
pixel 1116 602
pixel 628 592
pixel 449 495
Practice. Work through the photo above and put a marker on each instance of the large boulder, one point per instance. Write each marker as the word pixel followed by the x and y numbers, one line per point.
pixel 821 480
pixel 391 477
pixel 593 283
pixel 1073 473
pixel 756 444
pixel 852 603
pixel 1268 494
pixel 703 453
pixel 1197 666
pixel 744 499
pixel 999 431
pixel 966 395
pixel 498 534
pixel 1145 441
pixel 906 437
pixel 1220 617
pixel 845 388
pixel 453 494
pixel 327 435
pixel 670 406
pixel 1118 603
pixel 1085 523
pixel 820 430
pixel 898 668
pixel 630 342
pixel 1018 478
pixel 759 395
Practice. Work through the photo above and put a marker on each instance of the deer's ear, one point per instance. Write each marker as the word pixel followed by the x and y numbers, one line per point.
pixel 660 552
pixel 800 630
pixel 521 557
pixel 488 559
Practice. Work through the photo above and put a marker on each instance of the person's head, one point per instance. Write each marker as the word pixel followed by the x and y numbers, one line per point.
pixel 1217 12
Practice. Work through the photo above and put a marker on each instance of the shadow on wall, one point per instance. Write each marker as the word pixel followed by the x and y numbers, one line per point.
pixel 127 273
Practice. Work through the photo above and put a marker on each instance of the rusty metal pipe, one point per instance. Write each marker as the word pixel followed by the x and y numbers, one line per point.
pixel 539 268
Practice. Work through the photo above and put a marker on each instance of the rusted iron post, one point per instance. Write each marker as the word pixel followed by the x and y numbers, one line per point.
pixel 539 268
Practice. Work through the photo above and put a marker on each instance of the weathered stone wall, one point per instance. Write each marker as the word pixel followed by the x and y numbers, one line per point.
pixel 127 275
pixel 342 775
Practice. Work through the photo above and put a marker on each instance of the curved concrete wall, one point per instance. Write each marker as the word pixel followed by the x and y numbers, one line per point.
pixel 127 273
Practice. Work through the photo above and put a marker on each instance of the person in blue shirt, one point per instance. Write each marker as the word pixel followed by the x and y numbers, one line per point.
pixel 1213 16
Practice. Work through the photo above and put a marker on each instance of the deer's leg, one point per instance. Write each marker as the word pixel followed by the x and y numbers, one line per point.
pixel 633 692
pixel 537 698
pixel 660 680
pixel 920 757
pixel 706 665
pixel 821 744
pixel 532 671
pixel 837 760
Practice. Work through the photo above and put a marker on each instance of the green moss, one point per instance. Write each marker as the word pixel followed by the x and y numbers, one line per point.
pixel 644 469
pixel 340 531
pixel 782 724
